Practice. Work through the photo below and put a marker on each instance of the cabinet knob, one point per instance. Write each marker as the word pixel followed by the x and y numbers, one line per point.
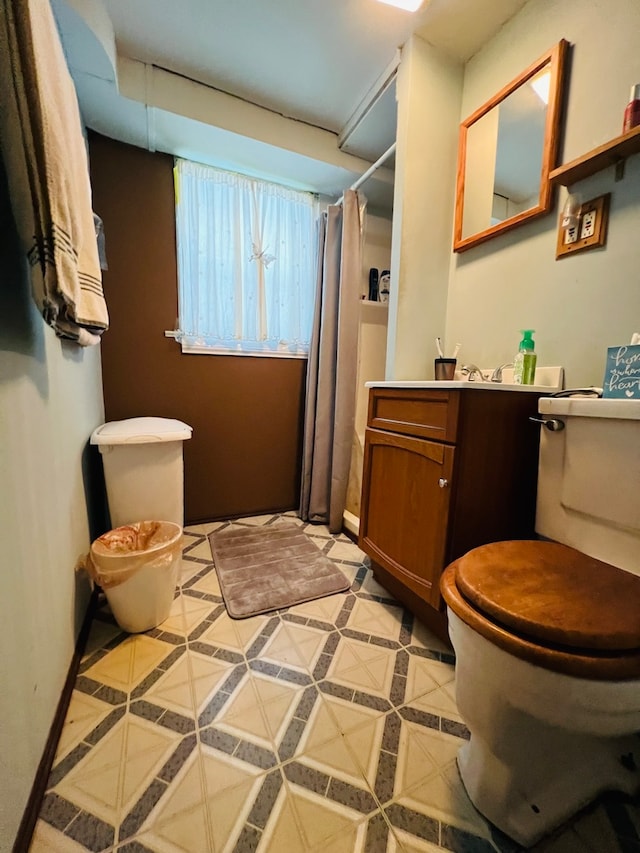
pixel 443 483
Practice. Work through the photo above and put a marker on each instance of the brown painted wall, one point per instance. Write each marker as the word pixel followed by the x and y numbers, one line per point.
pixel 246 413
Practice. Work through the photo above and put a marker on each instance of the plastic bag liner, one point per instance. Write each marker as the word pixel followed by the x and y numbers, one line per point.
pixel 137 567
pixel 119 554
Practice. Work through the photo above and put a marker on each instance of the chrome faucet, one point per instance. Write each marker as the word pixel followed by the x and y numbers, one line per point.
pixel 472 371
pixel 496 376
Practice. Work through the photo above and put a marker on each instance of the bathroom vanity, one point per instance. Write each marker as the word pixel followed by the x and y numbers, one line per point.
pixel 448 466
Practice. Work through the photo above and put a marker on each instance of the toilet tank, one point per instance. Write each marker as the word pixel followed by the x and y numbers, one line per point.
pixel 589 478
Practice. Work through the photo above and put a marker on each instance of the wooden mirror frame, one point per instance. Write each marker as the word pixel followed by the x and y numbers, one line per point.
pixel 556 60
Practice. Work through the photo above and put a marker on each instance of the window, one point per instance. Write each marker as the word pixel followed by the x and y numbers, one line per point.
pixel 247 263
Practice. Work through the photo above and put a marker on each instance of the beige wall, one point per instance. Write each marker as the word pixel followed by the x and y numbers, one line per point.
pixel 582 304
pixel 429 86
pixel 50 401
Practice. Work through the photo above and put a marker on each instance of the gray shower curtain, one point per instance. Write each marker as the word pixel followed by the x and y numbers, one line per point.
pixel 332 366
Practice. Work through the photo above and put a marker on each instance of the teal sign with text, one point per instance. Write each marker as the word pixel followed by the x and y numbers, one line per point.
pixel 622 374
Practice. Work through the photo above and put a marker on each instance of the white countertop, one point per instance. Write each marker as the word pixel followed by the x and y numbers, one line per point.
pixel 590 407
pixel 455 384
pixel 550 380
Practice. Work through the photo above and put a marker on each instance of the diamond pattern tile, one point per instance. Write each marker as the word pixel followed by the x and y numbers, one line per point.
pixel 376 619
pixel 442 795
pixel 234 634
pixel 173 689
pixel 346 551
pixel 83 715
pixel 305 821
pixel 187 571
pixel 102 633
pixel 203 529
pixel 200 551
pixel 205 807
pixel 108 781
pixel 410 844
pixel 127 664
pixel 331 726
pixel 260 710
pixel 208 584
pixel 46 839
pixel 320 609
pixel 441 701
pixel 361 666
pixel 297 646
pixel 206 676
pixel 333 758
pixel 195 610
pixel 175 622
pixel 424 676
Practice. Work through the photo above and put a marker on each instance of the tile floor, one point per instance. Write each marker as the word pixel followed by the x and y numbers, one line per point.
pixel 331 726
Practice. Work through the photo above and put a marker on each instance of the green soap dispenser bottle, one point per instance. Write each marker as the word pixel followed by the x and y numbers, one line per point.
pixel 524 364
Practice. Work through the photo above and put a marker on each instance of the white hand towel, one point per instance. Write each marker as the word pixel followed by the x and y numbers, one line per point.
pixel 45 159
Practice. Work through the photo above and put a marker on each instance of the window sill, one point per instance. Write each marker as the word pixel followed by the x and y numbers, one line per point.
pixel 194 349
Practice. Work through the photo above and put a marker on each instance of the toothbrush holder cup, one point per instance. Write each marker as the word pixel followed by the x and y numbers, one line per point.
pixel 444 368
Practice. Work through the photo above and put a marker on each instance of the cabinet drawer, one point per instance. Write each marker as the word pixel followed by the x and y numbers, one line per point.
pixel 420 412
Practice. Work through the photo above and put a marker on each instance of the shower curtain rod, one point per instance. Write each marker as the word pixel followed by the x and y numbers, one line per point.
pixel 357 183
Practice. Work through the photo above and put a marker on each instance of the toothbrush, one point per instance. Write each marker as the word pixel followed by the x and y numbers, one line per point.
pixel 439 348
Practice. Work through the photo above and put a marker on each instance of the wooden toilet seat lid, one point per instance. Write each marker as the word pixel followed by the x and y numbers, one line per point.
pixel 553 594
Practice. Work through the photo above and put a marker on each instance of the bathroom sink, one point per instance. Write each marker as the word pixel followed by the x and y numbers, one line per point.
pixel 548 381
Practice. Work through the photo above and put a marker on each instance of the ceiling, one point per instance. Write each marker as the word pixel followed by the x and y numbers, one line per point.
pixel 298 91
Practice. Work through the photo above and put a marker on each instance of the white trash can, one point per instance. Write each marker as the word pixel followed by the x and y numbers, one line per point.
pixel 143 468
pixel 137 567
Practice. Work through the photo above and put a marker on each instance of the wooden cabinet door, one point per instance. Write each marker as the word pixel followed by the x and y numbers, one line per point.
pixel 405 508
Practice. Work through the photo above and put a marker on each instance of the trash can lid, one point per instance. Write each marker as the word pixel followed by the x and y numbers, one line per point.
pixel 141 431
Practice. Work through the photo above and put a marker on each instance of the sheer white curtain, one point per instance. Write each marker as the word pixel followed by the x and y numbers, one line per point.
pixel 247 253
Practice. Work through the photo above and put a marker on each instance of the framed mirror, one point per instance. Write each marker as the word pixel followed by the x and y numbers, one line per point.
pixel 506 150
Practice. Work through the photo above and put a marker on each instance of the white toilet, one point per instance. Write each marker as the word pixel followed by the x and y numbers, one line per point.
pixel 547 635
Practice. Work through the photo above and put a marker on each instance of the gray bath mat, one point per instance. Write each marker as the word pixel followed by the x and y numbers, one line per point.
pixel 267 568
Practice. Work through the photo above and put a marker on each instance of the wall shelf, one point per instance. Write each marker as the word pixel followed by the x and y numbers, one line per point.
pixel 612 153
pixel 372 302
